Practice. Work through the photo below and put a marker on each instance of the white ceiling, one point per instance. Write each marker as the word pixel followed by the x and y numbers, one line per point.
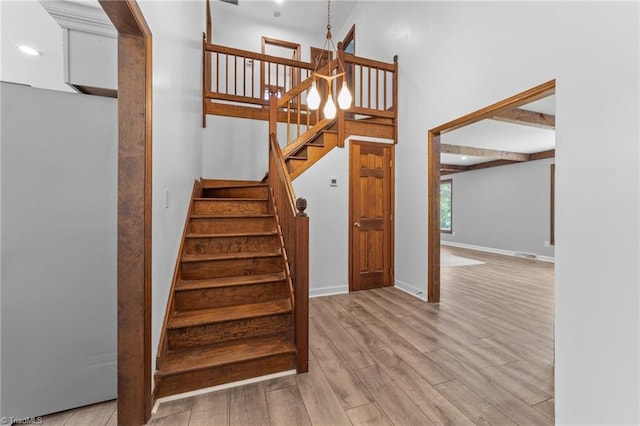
pixel 498 135
pixel 302 15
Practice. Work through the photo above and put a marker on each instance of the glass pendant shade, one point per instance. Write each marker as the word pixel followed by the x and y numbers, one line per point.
pixel 344 97
pixel 329 108
pixel 313 97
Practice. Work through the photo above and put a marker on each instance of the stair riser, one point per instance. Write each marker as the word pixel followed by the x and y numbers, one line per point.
pixel 229 330
pixel 230 207
pixel 213 245
pixel 204 378
pixel 230 225
pixel 230 268
pixel 226 296
pixel 241 192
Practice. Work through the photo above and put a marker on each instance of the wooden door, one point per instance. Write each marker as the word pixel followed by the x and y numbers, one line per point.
pixel 371 215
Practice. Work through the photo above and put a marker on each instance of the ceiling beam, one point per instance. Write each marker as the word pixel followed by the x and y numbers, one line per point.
pixel 447 169
pixel 483 152
pixel 453 168
pixel 542 155
pixel 526 118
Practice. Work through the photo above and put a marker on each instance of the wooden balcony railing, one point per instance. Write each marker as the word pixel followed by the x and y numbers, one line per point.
pixel 294 228
pixel 239 83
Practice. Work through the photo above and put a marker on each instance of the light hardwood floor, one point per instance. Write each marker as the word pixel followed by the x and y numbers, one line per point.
pixel 484 355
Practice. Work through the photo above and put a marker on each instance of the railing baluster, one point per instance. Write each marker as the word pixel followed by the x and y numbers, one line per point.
pixel 361 87
pixel 217 72
pixel 298 103
pixel 226 76
pixel 244 76
pixel 369 90
pixel 235 75
pixel 385 90
pixel 377 88
pixel 253 78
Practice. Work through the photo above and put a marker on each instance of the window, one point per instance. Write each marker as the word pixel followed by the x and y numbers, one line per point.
pixel 446 191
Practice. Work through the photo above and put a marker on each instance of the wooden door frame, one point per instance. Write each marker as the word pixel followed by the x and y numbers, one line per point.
pixel 433 171
pixel 392 208
pixel 134 210
pixel 295 73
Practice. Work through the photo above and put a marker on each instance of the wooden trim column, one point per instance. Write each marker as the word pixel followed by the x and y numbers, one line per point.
pixel 134 210
pixel 433 287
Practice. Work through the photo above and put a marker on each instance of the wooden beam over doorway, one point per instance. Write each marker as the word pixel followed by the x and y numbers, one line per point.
pixel 483 152
pixel 526 118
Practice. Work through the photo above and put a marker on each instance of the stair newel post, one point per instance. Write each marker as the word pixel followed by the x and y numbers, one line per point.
pixel 302 286
pixel 340 79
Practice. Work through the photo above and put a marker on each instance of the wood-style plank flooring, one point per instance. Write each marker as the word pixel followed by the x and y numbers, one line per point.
pixel 484 355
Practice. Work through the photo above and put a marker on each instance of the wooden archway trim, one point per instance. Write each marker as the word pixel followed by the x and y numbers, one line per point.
pixel 134 210
pixel 433 171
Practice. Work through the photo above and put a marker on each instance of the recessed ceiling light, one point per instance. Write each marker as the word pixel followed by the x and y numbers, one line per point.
pixel 28 50
pixel 464 157
pixel 279 1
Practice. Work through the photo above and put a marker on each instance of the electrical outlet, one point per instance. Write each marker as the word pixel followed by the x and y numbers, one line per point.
pixel 333 182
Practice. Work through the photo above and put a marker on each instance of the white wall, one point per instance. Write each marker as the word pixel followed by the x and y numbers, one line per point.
pixel 457 57
pixel 177 133
pixel 59 216
pixel 505 208
pixel 328 225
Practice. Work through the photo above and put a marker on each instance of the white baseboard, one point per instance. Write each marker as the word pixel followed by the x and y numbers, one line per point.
pixel 328 291
pixel 409 289
pixel 495 250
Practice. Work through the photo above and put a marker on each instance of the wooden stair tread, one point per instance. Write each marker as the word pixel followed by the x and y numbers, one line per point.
pixel 317 144
pixel 228 256
pixel 230 199
pixel 197 358
pixel 212 183
pixel 184 285
pixel 233 186
pixel 233 234
pixel 298 157
pixel 230 216
pixel 229 313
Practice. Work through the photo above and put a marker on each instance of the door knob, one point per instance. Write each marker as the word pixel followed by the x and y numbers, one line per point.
pixel 357 224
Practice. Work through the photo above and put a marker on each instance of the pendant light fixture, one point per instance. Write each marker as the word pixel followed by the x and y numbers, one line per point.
pixel 313 96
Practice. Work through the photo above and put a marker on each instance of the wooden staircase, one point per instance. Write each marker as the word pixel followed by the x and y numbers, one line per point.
pixel 230 312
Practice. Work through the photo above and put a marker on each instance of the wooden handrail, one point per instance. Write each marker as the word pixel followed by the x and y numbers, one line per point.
pixel 259 56
pixel 371 63
pixel 293 224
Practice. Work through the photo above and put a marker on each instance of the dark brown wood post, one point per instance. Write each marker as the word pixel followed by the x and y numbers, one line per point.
pixel 273 113
pixel 134 210
pixel 395 96
pixel 302 286
pixel 433 285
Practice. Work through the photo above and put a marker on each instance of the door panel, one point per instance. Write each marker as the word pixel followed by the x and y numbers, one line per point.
pixel 371 230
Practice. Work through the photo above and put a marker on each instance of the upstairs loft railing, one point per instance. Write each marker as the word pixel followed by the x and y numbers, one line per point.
pixel 239 83
pixel 294 228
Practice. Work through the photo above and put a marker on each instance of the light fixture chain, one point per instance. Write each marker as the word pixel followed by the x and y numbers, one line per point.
pixel 328 15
